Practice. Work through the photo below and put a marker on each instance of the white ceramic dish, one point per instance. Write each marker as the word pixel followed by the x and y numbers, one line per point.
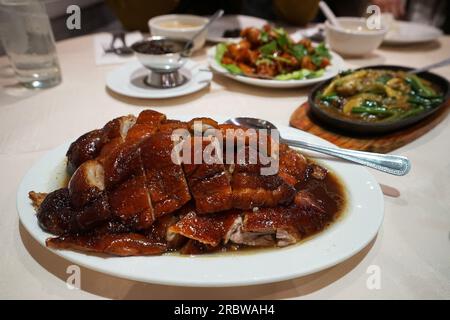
pixel 157 28
pixel 128 80
pixel 231 22
pixel 354 38
pixel 164 62
pixel 347 236
pixel 337 65
pixel 403 32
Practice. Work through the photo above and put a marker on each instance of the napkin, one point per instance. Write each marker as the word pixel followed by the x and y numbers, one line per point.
pixel 103 41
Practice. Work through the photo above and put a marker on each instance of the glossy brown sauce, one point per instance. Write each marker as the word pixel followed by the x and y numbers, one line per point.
pixel 330 192
pixel 332 195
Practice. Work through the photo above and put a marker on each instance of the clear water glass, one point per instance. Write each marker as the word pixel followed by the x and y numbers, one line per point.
pixel 28 40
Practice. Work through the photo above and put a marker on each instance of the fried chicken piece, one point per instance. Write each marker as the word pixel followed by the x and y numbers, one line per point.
pixel 307 63
pixel 291 61
pixel 252 34
pixel 246 69
pixel 325 62
pixel 267 69
pixel 227 60
pixel 307 44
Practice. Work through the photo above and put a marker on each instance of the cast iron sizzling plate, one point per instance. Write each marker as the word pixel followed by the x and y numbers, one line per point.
pixel 369 128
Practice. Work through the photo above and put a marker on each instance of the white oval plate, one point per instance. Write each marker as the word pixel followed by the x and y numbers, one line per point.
pixel 227 22
pixel 344 238
pixel 128 80
pixel 403 32
pixel 337 65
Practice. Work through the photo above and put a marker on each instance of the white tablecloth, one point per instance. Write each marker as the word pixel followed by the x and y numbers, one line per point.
pixel 412 249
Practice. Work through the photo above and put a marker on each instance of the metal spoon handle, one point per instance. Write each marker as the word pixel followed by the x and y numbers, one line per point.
pixel 431 66
pixel 213 18
pixel 326 10
pixel 396 165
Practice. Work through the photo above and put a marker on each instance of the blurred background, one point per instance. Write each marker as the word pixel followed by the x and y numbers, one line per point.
pixel 113 15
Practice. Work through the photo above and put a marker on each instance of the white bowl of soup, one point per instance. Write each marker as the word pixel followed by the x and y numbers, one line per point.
pixel 179 26
pixel 353 37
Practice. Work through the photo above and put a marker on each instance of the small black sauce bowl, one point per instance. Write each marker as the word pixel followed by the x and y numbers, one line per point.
pixel 364 128
pixel 161 62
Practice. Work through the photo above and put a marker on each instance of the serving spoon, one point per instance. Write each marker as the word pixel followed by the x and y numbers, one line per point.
pixel 393 164
pixel 430 66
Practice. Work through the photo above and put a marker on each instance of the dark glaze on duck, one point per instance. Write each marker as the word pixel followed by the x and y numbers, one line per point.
pixel 127 197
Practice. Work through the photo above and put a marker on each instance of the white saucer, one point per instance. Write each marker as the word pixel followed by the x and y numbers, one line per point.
pixel 129 79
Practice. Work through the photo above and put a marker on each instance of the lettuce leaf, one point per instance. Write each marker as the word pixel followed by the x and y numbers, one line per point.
pixel 232 68
pixel 269 48
pixel 301 74
pixel 221 48
pixel 315 74
pixel 298 51
pixel 296 75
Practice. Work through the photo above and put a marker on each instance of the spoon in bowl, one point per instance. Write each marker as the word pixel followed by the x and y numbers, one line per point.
pixel 329 14
pixel 190 44
pixel 393 164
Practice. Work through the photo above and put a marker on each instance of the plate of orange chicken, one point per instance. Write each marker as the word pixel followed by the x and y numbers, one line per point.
pixel 269 57
pixel 137 199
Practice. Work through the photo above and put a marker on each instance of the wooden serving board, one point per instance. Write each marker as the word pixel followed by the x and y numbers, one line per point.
pixel 384 143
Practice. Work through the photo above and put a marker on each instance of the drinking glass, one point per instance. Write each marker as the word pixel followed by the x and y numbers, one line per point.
pixel 27 38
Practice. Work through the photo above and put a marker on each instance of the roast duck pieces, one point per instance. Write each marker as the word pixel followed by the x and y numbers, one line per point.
pixel 127 195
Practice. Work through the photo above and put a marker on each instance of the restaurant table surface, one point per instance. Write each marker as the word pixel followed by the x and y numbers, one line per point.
pixel 411 252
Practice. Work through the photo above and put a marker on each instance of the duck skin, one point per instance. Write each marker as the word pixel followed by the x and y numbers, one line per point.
pixel 211 229
pixel 126 244
pixel 89 145
pixel 130 194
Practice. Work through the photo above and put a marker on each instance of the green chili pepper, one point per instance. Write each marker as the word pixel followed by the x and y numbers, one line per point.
pixel 330 98
pixel 419 87
pixel 378 111
pixel 421 101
